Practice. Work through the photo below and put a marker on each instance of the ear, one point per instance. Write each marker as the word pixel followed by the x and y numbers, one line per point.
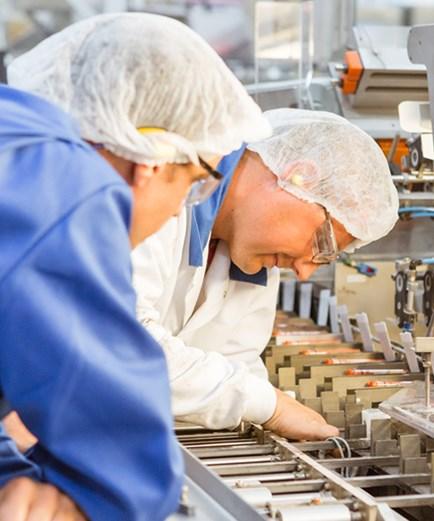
pixel 303 173
pixel 142 174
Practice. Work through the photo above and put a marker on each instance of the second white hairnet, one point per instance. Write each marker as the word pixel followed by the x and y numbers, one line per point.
pixel 115 73
pixel 323 158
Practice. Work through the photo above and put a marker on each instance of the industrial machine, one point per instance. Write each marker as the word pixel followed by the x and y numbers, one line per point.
pixel 375 389
pixel 381 468
pixel 374 386
pixel 331 481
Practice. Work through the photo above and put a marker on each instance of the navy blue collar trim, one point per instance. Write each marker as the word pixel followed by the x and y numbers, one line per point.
pixel 260 278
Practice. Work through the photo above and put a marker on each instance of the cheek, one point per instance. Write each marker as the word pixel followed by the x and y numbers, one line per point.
pixel 167 197
pixel 155 204
pixel 257 233
pixel 297 242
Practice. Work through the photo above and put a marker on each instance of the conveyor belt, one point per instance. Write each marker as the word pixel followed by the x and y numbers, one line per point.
pixel 308 481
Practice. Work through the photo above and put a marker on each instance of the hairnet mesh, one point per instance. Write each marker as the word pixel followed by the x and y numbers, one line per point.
pixel 117 72
pixel 322 158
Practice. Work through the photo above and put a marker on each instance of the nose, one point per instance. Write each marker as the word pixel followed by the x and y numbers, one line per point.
pixel 304 270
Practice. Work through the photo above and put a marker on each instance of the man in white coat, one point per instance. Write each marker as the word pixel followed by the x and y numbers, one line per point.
pixel 207 283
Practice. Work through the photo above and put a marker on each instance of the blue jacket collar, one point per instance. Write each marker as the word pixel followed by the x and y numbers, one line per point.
pixel 203 217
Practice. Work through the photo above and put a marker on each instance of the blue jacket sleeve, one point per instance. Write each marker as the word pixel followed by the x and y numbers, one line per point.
pixel 14 464
pixel 84 376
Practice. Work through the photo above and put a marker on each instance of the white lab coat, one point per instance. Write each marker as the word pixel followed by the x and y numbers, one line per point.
pixel 212 329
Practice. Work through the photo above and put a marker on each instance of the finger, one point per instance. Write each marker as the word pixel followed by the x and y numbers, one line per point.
pixel 15 499
pixel 45 504
pixel 13 510
pixel 65 515
pixel 327 431
pixel 68 511
pixel 68 514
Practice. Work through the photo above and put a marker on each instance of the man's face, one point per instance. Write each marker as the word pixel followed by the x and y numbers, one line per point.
pixel 160 197
pixel 158 192
pixel 274 228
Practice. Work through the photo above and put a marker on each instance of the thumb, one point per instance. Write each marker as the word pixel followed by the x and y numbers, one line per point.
pixel 327 431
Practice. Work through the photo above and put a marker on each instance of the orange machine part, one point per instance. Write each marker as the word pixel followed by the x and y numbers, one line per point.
pixel 401 150
pixel 350 79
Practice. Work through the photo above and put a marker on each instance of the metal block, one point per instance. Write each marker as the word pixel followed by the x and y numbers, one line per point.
pixel 353 413
pixel 313 403
pixel 330 401
pixel 336 418
pixel 414 465
pixel 386 447
pixel 356 431
pixel 350 399
pixel 409 447
pixel 307 388
pixel 286 377
pixel 380 430
pixel 429 444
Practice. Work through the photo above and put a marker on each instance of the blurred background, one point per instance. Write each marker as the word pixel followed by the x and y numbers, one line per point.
pixel 253 37
pixel 346 56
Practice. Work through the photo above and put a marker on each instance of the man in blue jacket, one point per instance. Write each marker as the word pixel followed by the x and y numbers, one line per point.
pixel 75 364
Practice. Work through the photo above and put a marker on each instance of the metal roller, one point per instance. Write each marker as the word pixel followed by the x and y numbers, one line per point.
pixel 258 497
pixel 265 478
pixel 314 513
pixel 305 498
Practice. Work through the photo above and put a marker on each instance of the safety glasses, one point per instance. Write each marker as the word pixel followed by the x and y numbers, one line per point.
pixel 200 190
pixel 324 247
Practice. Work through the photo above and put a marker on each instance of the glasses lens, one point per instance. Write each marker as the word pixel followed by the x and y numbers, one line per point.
pixel 324 244
pixel 201 190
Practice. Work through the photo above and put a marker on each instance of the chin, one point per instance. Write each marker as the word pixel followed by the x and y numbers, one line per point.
pixel 248 264
pixel 249 268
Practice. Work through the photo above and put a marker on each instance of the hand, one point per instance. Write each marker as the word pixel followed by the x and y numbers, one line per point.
pixel 293 420
pixel 23 499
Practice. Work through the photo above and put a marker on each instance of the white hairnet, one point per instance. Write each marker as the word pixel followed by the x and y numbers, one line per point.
pixel 322 158
pixel 115 73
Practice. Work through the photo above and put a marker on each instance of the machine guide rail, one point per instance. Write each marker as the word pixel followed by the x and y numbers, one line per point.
pixel 254 474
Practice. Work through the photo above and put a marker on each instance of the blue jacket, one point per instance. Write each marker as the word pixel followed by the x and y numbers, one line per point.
pixel 75 364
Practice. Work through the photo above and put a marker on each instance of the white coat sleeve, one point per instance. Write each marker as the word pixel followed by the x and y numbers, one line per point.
pixel 207 388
